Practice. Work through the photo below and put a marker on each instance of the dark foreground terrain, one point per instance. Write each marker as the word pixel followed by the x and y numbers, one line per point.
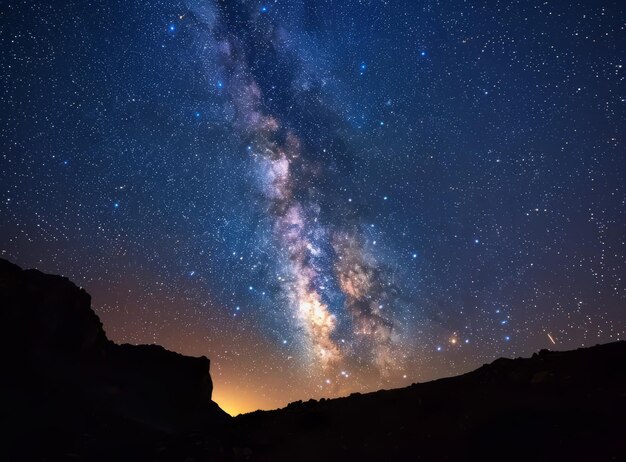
pixel 68 393
pixel 554 406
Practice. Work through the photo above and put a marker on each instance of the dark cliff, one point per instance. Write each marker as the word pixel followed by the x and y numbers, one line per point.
pixel 66 388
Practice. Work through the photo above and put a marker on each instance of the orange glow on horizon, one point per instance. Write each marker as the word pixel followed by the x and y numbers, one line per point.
pixel 237 402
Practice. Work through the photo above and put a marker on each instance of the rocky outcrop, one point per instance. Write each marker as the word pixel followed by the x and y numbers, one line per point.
pixel 67 388
pixel 44 317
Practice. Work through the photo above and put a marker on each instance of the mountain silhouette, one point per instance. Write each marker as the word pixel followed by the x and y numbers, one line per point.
pixel 69 393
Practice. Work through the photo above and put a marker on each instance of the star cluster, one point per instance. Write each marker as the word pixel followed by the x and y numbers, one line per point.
pixel 322 196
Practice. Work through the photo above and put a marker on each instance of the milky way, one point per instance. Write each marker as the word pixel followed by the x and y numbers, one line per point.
pixel 322 196
pixel 312 252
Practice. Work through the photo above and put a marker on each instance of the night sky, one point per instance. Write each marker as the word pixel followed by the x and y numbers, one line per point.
pixel 322 196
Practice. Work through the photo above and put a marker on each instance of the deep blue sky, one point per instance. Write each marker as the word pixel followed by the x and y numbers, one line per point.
pixel 473 153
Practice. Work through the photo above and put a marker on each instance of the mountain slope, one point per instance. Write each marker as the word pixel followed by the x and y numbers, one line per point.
pixel 553 406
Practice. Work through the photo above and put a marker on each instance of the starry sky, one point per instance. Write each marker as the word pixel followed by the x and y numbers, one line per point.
pixel 322 196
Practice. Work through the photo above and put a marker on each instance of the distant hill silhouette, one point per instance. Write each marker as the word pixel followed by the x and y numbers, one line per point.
pixel 69 393
pixel 555 406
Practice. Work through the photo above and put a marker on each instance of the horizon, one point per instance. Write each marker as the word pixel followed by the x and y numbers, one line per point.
pixel 233 408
